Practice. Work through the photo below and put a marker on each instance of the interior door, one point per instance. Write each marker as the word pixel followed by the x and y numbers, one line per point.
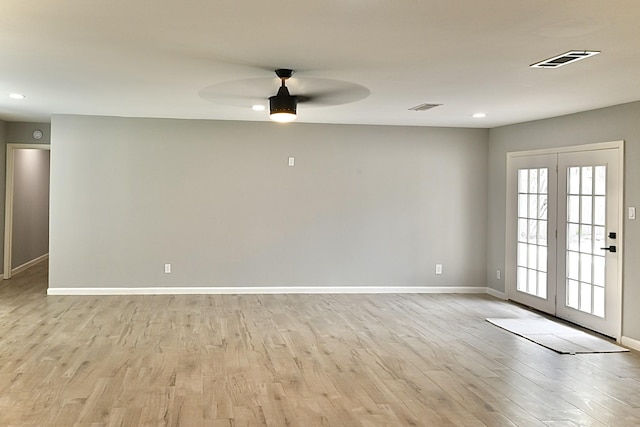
pixel 588 238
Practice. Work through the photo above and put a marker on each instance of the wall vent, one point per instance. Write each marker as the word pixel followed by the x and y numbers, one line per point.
pixel 424 107
pixel 564 59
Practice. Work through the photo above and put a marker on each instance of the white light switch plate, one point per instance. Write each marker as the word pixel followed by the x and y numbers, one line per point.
pixel 632 212
pixel 292 161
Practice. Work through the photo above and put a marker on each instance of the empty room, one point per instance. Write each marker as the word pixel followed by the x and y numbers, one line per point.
pixel 338 213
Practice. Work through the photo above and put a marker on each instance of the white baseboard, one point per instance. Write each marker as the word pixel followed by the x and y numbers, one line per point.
pixel 23 267
pixel 271 290
pixel 631 343
pixel 497 294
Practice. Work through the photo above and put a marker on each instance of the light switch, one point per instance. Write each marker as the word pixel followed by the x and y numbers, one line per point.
pixel 292 161
pixel 632 212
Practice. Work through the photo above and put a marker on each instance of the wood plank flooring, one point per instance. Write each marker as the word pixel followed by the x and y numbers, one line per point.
pixel 292 360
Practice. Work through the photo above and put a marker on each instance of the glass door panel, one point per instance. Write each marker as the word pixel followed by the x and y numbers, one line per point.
pixel 530 273
pixel 532 231
pixel 588 238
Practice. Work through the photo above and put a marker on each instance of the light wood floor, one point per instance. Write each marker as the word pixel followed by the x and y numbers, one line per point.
pixel 301 360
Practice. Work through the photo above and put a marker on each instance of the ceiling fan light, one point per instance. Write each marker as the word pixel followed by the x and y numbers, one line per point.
pixel 283 107
pixel 283 117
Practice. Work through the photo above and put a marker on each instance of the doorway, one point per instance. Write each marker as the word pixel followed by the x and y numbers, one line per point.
pixel 27 192
pixel 564 233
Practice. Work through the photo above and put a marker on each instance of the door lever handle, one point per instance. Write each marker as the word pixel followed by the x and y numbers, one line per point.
pixel 611 248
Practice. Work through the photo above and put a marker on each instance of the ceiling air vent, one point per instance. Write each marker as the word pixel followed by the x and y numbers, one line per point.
pixel 424 107
pixel 565 58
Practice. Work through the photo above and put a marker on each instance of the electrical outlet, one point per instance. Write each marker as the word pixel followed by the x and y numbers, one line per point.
pixel 438 268
pixel 498 274
pixel 167 268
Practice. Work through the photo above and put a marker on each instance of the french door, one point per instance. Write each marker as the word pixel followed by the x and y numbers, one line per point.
pixel 564 237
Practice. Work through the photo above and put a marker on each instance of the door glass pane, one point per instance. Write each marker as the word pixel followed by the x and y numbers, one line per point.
pixel 599 241
pixel 542 207
pixel 523 200
pixel 532 261
pixel 532 231
pixel 585 297
pixel 523 181
pixel 542 258
pixel 533 181
pixel 573 237
pixel 573 208
pixel 523 230
pixel 542 233
pixel 522 254
pixel 572 293
pixel 585 269
pixel 574 181
pixel 587 181
pixel 542 181
pixel 532 282
pixel 598 302
pixel 599 210
pixel 586 243
pixel 573 266
pixel 601 180
pixel 542 284
pixel 533 206
pixel 586 209
pixel 598 271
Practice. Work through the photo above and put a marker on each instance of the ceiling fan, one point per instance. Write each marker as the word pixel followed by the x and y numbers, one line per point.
pixel 283 106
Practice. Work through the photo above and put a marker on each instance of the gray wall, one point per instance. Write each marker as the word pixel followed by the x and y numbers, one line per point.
pixel 364 205
pixel 30 206
pixel 621 122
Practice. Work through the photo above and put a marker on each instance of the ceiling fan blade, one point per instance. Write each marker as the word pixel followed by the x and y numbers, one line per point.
pixel 311 91
pixel 341 94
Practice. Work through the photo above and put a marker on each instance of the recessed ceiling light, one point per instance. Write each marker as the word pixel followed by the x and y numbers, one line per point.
pixel 16 96
pixel 258 107
pixel 480 115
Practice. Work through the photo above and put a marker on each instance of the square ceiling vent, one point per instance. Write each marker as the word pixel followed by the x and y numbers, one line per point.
pixel 565 58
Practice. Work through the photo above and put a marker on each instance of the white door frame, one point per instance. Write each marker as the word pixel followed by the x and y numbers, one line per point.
pixel 510 232
pixel 8 201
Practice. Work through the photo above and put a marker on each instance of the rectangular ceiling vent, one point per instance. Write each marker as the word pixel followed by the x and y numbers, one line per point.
pixel 424 107
pixel 564 59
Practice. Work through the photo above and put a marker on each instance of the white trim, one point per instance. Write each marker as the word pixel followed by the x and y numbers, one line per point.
pixel 498 294
pixel 271 290
pixel 8 202
pixel 631 343
pixel 28 264
pixel 568 149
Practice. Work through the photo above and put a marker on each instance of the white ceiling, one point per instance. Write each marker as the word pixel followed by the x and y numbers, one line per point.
pixel 151 58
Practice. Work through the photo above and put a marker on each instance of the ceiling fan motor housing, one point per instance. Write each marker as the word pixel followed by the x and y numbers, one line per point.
pixel 283 102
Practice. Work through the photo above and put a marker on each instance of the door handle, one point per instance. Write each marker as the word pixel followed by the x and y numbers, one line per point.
pixel 611 248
